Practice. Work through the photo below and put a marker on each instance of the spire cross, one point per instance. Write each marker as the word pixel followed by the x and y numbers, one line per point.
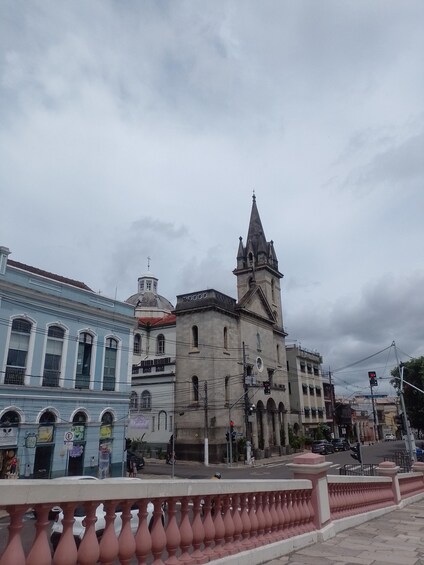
pixel 148 263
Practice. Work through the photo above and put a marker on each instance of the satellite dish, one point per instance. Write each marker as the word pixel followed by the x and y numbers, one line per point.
pixel 259 364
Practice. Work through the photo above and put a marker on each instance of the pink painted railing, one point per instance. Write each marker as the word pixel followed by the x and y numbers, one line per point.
pixel 214 520
pixel 410 484
pixel 350 498
pixel 194 522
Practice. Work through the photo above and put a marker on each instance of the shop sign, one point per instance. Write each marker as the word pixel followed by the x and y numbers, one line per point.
pixel 79 432
pixel 8 435
pixel 31 441
pixel 105 431
pixel 139 423
pixel 45 434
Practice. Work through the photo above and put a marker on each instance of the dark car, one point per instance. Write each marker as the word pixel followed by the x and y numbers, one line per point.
pixel 322 446
pixel 340 444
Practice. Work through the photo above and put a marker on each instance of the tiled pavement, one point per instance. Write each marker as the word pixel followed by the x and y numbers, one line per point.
pixel 396 538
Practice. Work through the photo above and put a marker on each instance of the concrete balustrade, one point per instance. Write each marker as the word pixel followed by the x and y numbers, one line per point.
pixel 222 521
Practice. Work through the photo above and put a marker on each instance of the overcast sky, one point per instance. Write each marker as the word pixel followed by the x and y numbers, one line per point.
pixel 130 129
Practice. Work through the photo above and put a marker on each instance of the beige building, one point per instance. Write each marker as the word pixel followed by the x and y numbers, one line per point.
pixel 226 349
pixel 306 390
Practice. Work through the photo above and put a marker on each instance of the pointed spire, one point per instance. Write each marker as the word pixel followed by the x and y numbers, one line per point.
pixel 256 236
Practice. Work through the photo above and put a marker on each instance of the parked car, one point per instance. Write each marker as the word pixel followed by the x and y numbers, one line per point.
pixel 322 446
pixel 78 529
pixel 340 444
pixel 389 437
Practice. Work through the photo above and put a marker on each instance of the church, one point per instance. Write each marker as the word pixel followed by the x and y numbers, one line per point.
pixel 231 387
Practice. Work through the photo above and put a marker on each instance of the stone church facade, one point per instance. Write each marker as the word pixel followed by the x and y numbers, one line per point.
pixel 231 369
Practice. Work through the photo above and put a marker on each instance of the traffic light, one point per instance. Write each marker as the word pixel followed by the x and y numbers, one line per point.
pixel 372 375
pixel 227 436
pixel 267 387
pixel 356 452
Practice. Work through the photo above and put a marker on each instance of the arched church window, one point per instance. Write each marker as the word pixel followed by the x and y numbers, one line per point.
pixel 225 337
pixel 195 389
pixel 194 337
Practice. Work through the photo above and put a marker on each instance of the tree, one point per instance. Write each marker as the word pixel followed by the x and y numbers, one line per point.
pixel 413 372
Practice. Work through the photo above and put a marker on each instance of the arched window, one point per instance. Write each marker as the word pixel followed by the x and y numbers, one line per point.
pixel 258 341
pixel 272 290
pixel 18 352
pixel 195 389
pixel 85 347
pixel 162 420
pixel 250 259
pixel 278 354
pixel 160 344
pixel 133 401
pixel 47 417
pixel 227 389
pixel 10 418
pixel 53 358
pixel 195 337
pixel 109 370
pixel 79 422
pixel 225 337
pixel 137 344
pixel 146 400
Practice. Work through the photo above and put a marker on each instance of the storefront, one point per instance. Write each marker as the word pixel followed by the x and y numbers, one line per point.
pixel 9 462
pixel 105 445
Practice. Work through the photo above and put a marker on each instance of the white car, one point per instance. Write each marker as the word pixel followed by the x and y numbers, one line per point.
pixel 389 437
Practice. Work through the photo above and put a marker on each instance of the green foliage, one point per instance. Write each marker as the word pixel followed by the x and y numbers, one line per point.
pixel 413 373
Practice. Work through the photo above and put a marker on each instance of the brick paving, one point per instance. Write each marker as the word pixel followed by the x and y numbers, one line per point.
pixel 396 538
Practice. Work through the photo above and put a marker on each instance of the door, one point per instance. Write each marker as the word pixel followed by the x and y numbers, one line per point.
pixel 43 460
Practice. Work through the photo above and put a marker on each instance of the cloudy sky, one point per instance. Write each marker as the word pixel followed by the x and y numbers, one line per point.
pixel 141 128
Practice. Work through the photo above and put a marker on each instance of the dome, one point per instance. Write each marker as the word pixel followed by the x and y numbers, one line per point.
pixel 149 300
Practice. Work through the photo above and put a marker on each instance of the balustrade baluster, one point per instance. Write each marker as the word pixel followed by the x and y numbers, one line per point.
pixel 173 538
pixel 143 540
pixel 238 525
pixel 66 552
pixel 198 532
pixel 218 523
pixel 254 523
pixel 40 552
pixel 261 519
pixel 245 520
pixel 89 551
pixel 158 532
pixel 229 526
pixel 209 527
pixel 185 531
pixel 14 552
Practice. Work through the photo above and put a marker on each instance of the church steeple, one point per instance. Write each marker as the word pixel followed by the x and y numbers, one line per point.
pixel 257 266
pixel 257 252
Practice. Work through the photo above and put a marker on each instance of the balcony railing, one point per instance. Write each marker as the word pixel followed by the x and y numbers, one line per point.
pixel 14 376
pixel 195 521
pixel 51 378
pixel 82 381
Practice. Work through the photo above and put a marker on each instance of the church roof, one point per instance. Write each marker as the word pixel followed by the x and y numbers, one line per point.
pixel 167 320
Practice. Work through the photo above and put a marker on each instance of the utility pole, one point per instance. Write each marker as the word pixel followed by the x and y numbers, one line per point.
pixel 411 450
pixel 376 436
pixel 206 456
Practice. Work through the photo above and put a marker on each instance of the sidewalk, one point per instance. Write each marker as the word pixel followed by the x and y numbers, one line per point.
pixel 396 538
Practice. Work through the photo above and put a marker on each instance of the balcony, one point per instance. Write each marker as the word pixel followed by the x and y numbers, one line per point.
pixel 14 376
pixel 196 522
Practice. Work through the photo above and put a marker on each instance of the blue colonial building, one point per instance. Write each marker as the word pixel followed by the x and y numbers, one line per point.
pixel 65 375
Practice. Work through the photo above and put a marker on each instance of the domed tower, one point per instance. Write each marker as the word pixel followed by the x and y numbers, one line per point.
pixel 148 303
